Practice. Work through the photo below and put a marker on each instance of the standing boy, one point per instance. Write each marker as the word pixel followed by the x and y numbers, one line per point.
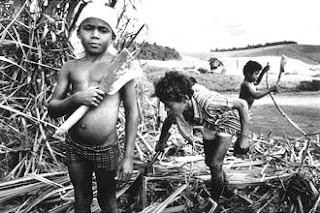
pixel 92 142
pixel 189 104
pixel 252 78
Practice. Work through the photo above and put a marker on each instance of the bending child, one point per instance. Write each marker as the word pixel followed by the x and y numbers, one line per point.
pixel 92 143
pixel 252 77
pixel 189 104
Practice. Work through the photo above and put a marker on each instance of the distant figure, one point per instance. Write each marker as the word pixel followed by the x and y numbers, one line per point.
pixel 214 63
pixel 252 78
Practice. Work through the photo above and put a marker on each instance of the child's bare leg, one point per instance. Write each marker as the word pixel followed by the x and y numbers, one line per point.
pixel 106 190
pixel 215 151
pixel 81 177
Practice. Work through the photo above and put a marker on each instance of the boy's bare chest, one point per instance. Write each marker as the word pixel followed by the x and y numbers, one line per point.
pixel 89 75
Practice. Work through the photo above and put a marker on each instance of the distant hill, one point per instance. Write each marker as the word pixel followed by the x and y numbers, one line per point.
pixel 157 52
pixel 307 53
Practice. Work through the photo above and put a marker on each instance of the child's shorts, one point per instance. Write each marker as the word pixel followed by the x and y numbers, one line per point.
pixel 102 157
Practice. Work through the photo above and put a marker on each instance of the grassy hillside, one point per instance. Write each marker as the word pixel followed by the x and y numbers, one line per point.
pixel 213 81
pixel 234 61
pixel 307 53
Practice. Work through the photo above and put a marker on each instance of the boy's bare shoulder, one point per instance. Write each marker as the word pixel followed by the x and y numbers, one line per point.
pixel 246 84
pixel 72 64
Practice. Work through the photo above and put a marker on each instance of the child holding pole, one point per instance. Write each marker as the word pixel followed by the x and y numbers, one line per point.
pixel 252 77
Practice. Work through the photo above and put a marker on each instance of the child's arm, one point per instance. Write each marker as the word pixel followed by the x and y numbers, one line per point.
pixel 60 104
pixel 242 107
pixel 167 123
pixel 257 94
pixel 57 107
pixel 129 98
pixel 266 92
pixel 264 70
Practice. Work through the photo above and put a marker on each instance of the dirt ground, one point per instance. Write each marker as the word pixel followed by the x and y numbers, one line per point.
pixel 302 107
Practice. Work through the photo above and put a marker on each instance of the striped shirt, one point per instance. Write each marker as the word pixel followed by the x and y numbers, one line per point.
pixel 211 110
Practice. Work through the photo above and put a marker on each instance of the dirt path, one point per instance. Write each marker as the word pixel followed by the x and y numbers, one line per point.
pixel 305 99
pixel 301 107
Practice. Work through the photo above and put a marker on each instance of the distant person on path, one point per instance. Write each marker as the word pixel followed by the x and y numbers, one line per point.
pixel 252 77
pixel 92 143
pixel 190 104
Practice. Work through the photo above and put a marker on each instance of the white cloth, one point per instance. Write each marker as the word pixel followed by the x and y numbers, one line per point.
pixel 96 9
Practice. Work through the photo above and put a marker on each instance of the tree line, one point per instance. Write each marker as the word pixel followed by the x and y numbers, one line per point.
pixel 157 52
pixel 254 46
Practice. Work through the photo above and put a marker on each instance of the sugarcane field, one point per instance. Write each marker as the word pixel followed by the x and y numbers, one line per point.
pixel 279 172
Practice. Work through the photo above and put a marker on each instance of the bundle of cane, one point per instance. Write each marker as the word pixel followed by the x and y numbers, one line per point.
pixel 283 62
pixel 121 70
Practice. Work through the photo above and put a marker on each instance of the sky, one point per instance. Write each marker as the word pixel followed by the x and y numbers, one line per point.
pixel 202 25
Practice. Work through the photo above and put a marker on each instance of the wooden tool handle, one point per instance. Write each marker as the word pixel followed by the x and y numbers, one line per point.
pixel 154 158
pixel 151 162
pixel 72 120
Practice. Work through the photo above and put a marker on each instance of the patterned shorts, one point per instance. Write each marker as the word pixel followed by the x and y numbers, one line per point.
pixel 227 122
pixel 102 157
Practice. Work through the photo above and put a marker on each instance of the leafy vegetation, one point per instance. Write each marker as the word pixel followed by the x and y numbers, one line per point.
pixel 157 52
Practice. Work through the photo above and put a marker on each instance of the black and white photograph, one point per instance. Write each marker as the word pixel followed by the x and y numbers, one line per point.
pixel 159 106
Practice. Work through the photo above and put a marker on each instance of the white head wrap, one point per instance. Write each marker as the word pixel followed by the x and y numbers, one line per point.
pixel 96 9
pixel 99 10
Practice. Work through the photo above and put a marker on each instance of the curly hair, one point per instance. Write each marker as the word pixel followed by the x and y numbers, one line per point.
pixel 251 67
pixel 174 86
